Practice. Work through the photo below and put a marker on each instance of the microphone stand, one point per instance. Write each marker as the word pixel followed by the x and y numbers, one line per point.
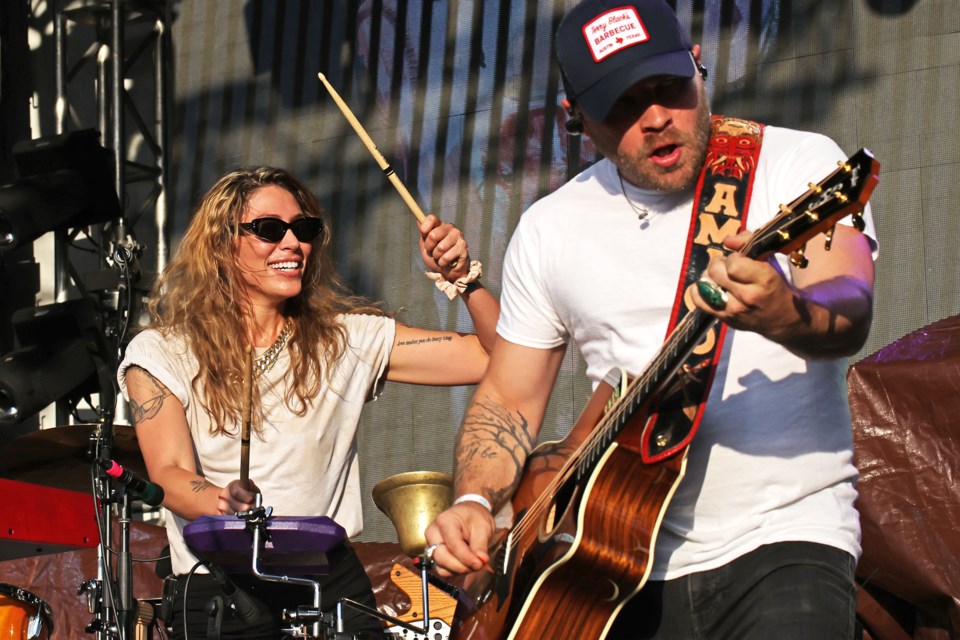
pixel 126 608
pixel 101 602
pixel 117 604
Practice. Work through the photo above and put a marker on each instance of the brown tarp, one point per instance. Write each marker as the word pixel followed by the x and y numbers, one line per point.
pixel 905 401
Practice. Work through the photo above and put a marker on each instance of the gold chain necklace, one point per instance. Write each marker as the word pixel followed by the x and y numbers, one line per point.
pixel 265 361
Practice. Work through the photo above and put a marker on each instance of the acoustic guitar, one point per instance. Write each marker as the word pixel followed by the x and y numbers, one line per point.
pixel 588 507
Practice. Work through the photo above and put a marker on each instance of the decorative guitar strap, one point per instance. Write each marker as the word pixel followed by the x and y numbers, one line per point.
pixel 719 210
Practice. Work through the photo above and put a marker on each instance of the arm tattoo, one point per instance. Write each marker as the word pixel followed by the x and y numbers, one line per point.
pixel 416 341
pixel 200 485
pixel 149 408
pixel 495 432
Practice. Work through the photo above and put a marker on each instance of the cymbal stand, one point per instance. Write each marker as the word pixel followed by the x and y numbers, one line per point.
pixel 425 564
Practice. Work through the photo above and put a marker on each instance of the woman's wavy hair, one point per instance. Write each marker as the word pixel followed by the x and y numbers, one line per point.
pixel 201 297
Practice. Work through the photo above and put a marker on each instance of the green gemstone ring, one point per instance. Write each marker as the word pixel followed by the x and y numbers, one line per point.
pixel 711 292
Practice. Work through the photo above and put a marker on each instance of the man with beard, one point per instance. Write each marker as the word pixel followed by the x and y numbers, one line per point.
pixel 761 536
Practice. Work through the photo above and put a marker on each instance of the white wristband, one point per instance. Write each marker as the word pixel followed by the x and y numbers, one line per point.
pixel 475 497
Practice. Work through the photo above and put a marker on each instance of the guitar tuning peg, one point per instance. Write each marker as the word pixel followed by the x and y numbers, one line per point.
pixel 858 221
pixel 829 234
pixel 797 258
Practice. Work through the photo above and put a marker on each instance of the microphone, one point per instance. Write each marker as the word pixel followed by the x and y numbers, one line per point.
pixel 126 259
pixel 244 607
pixel 149 492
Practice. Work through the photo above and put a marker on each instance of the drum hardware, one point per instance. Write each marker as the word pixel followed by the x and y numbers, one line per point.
pixel 23 615
pixel 258 520
pixel 92 589
pixel 255 541
pixel 275 548
pixel 443 599
pixel 334 621
pixel 412 501
pixel 305 620
pixel 110 595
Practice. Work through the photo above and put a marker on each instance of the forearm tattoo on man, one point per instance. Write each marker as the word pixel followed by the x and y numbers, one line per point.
pixel 200 485
pixel 149 408
pixel 492 431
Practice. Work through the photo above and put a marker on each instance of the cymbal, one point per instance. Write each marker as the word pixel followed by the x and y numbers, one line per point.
pixel 59 457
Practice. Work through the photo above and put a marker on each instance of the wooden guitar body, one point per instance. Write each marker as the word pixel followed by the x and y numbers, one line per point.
pixel 591 549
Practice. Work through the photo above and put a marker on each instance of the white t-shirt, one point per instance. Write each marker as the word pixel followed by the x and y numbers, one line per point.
pixel 304 465
pixel 772 460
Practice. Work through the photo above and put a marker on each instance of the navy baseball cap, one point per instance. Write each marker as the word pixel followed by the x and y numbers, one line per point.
pixel 607 46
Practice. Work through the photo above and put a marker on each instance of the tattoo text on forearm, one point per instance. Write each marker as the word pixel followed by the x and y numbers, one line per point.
pixel 416 341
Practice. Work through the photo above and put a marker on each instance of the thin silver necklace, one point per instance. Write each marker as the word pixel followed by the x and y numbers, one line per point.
pixel 642 212
pixel 265 361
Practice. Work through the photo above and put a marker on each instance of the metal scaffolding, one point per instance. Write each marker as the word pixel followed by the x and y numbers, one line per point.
pixel 112 59
pixel 127 42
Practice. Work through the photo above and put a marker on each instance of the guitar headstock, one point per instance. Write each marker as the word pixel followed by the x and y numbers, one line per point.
pixel 844 192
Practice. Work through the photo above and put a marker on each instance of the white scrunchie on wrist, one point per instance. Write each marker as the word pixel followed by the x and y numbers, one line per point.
pixel 458 286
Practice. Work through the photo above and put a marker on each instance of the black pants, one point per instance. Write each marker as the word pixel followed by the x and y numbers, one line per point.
pixel 262 603
pixel 787 591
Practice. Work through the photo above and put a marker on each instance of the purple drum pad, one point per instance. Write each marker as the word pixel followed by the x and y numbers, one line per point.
pixel 291 545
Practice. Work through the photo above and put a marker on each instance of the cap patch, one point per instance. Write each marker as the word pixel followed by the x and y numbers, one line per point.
pixel 613 31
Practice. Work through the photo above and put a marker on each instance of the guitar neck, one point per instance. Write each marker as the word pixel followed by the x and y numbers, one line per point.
pixel 678 345
pixel 843 192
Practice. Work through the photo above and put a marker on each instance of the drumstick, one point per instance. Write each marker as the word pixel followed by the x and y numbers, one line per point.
pixel 246 411
pixel 387 169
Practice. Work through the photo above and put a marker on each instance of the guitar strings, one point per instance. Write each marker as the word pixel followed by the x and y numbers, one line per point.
pixel 544 499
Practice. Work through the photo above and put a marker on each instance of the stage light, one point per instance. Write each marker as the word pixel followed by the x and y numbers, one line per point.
pixel 62 354
pixel 64 181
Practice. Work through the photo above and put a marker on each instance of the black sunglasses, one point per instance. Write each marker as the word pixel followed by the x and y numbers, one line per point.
pixel 273 229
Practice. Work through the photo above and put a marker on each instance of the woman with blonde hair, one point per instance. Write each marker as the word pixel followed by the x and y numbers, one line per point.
pixel 254 269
